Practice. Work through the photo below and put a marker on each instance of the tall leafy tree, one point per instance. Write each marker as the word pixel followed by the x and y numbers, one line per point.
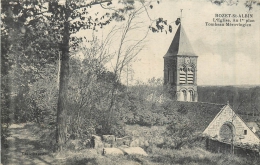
pixel 26 47
pixel 56 21
pixel 74 16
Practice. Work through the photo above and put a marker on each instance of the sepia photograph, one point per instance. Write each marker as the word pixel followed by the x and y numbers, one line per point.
pixel 130 82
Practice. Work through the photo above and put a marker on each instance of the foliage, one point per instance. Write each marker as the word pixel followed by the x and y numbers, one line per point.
pixel 244 100
pixel 88 97
pixel 5 104
pixel 40 32
pixel 42 97
pixel 179 132
pixel 26 49
pixel 37 33
pixel 248 3
pixel 142 104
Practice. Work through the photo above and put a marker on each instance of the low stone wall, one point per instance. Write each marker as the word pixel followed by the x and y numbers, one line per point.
pixel 220 147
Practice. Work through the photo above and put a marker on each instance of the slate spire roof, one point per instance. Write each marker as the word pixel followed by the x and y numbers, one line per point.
pixel 180 44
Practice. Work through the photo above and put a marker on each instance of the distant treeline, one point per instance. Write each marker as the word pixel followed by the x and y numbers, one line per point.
pixel 244 100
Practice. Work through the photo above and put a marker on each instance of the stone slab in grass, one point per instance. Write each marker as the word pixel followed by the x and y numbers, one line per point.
pixel 134 151
pixel 112 151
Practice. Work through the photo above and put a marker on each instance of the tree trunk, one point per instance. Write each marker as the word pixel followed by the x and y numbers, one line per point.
pixel 61 129
pixel 112 101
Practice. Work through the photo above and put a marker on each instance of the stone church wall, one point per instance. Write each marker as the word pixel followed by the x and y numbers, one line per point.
pixel 242 134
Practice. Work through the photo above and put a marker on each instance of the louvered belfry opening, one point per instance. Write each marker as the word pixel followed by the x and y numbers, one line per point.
pixel 180 67
pixel 190 75
pixel 183 75
pixel 186 75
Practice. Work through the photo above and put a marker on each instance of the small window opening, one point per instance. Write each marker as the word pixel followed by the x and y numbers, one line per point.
pixel 245 132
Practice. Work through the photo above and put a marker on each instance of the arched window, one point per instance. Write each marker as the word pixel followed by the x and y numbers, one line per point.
pixel 227 132
pixel 190 95
pixel 183 95
pixel 182 75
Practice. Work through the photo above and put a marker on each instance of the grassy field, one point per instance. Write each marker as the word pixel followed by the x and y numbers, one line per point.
pixel 159 156
pixel 26 138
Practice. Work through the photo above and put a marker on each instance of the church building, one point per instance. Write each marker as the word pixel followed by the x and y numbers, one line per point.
pixel 228 132
pixel 180 67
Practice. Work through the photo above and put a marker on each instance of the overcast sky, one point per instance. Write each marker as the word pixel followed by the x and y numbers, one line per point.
pixel 226 55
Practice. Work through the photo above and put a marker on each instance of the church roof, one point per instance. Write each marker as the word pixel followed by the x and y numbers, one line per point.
pixel 180 44
pixel 200 114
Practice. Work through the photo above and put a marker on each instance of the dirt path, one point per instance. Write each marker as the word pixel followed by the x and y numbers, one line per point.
pixel 25 148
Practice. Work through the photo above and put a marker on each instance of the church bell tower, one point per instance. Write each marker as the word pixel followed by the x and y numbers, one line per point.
pixel 180 67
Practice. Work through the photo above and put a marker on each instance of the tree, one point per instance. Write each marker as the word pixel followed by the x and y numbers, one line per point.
pixel 72 10
pixel 27 47
pixel 98 55
pixel 42 98
pixel 88 87
pixel 125 53
pixel 248 3
pixel 181 132
pixel 61 21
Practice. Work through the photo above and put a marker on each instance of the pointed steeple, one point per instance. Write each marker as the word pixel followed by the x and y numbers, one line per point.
pixel 180 44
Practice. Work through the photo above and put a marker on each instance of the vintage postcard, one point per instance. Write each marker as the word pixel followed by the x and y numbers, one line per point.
pixel 130 82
